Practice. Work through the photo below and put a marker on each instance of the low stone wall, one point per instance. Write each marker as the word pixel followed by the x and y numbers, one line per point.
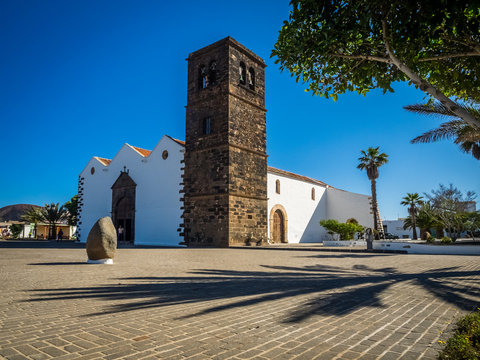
pixel 347 243
pixel 415 248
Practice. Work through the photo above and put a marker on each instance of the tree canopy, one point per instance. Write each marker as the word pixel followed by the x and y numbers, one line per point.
pixel 450 198
pixel 371 160
pixel 72 210
pixel 337 46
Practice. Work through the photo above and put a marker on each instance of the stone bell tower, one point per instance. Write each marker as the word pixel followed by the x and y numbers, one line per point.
pixel 225 175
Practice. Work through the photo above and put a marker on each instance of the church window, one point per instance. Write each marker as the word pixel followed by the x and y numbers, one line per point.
pixel 202 77
pixel 251 78
pixel 207 126
pixel 164 154
pixel 212 73
pixel 92 170
pixel 277 186
pixel 313 193
pixel 243 73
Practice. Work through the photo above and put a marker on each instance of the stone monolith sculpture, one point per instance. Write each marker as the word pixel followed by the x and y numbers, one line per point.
pixel 102 242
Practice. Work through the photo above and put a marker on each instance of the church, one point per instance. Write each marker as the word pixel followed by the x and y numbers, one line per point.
pixel 215 188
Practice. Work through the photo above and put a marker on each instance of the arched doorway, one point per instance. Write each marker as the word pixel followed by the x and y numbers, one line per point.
pixel 278 225
pixel 123 207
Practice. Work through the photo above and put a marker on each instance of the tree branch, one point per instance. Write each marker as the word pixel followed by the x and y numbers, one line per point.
pixel 472 45
pixel 449 56
pixel 363 57
pixel 425 86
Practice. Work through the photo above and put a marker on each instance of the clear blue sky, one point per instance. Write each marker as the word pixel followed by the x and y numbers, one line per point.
pixel 80 78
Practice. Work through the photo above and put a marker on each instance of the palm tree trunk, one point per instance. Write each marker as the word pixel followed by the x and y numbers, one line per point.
pixel 374 205
pixel 414 223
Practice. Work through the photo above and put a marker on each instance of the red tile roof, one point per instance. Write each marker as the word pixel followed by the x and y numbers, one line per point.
pixel 104 161
pixel 176 140
pixel 143 152
pixel 179 141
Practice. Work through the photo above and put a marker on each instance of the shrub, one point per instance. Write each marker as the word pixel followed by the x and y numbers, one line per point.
pixel 346 231
pixel 446 240
pixel 465 343
pixel 16 230
pixel 431 239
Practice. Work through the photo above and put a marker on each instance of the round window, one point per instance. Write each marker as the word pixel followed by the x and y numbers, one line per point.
pixel 165 154
pixel 92 170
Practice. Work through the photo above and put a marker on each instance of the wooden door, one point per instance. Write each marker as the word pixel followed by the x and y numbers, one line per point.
pixel 278 233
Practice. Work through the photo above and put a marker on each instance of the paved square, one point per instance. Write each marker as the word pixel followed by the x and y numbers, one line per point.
pixel 230 303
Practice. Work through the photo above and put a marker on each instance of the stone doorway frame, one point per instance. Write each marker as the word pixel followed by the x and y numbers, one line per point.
pixel 285 223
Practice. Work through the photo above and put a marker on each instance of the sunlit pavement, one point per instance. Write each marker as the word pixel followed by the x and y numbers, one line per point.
pixel 230 303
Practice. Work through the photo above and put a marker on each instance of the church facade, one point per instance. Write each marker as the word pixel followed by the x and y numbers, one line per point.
pixel 214 189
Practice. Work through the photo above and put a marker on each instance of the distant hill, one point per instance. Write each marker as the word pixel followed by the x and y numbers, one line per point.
pixel 14 212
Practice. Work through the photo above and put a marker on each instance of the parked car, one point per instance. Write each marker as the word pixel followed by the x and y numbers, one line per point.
pixel 391 236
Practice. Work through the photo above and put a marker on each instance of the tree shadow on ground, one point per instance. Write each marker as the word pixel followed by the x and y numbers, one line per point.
pixel 333 290
pixel 329 255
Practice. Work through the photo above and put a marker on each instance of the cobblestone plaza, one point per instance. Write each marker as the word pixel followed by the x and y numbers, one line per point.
pixel 230 303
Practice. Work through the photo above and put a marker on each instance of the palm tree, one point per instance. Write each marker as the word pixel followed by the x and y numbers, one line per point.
pixel 53 214
pixel 33 216
pixel 427 218
pixel 412 200
pixel 370 161
pixel 465 135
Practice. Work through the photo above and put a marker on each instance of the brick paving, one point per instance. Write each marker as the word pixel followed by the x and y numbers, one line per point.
pixel 230 304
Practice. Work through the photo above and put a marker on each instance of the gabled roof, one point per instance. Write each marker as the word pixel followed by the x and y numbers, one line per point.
pixel 104 161
pixel 296 176
pixel 143 152
pixel 180 142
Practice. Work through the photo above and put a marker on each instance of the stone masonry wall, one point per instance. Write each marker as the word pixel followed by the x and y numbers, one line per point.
pixel 225 175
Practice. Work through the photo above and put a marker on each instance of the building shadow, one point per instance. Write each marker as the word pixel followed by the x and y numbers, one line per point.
pixel 345 255
pixel 332 290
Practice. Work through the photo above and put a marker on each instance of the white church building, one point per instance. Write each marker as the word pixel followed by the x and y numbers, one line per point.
pixel 300 202
pixel 144 191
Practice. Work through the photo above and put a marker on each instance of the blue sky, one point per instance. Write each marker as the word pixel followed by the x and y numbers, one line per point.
pixel 80 78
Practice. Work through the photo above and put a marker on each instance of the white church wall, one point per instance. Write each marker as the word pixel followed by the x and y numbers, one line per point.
pixel 158 212
pixel 96 200
pixel 157 203
pixel 342 205
pixel 303 214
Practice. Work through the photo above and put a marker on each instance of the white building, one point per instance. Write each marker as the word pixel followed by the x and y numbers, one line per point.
pixel 395 227
pixel 296 203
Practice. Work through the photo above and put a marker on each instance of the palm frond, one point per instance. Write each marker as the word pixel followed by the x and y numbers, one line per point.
pixel 446 130
pixel 438 109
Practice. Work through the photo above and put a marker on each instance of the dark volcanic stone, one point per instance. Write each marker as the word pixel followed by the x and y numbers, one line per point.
pixel 102 240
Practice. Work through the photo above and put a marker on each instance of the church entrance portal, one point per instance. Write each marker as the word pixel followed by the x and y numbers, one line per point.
pixel 278 225
pixel 123 207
